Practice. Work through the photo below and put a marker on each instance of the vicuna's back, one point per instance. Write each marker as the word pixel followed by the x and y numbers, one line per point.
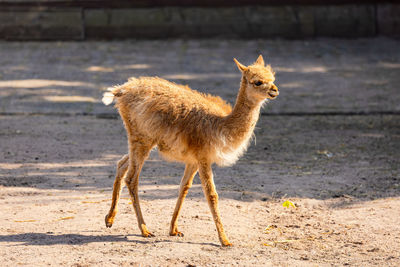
pixel 173 98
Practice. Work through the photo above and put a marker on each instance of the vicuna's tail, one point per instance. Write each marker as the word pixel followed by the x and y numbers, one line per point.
pixel 112 92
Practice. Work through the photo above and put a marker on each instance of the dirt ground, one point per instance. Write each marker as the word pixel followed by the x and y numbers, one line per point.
pixel 330 144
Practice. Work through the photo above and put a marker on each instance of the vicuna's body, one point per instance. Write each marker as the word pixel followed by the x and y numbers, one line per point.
pixel 189 127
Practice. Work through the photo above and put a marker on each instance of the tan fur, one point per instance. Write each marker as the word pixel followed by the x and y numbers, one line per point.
pixel 187 126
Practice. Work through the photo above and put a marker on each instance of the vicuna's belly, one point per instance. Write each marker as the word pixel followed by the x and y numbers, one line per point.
pixel 180 154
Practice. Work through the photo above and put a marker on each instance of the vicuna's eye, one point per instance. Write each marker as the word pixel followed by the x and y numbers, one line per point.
pixel 258 83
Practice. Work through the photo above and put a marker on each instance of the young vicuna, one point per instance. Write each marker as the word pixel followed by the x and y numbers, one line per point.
pixel 186 126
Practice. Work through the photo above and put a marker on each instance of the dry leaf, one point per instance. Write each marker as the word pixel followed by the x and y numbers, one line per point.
pixel 66 218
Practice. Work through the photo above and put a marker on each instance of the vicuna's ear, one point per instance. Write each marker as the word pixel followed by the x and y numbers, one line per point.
pixel 260 60
pixel 240 66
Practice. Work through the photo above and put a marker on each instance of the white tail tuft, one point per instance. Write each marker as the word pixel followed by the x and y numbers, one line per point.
pixel 108 98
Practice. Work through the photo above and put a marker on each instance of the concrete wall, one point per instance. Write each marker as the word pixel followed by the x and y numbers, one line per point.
pixel 21 22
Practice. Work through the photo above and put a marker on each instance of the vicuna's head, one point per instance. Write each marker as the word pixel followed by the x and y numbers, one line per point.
pixel 259 80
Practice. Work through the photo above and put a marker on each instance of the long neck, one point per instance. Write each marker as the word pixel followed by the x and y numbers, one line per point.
pixel 240 123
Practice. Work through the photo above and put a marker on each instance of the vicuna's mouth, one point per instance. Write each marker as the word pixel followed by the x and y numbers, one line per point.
pixel 273 94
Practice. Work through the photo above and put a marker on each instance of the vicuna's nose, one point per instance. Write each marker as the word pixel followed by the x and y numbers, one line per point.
pixel 274 88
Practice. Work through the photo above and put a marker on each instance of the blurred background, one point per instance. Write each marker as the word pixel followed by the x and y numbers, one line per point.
pixel 123 19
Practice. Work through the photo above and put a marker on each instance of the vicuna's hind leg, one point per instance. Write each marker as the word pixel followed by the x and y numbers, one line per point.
pixel 207 182
pixel 122 167
pixel 186 183
pixel 137 155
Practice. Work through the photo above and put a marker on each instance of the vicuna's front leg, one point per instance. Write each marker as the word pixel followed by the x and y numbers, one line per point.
pixel 186 183
pixel 207 182
pixel 122 167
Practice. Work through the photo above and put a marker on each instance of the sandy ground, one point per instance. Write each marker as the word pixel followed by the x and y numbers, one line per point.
pixel 59 147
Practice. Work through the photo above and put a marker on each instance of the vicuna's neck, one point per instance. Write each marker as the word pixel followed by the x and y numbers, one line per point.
pixel 239 125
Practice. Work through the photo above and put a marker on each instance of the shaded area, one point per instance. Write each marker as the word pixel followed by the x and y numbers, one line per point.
pixel 48 239
pixel 313 76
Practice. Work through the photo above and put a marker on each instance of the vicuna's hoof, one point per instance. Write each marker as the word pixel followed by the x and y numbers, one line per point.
pixel 109 222
pixel 176 233
pixel 227 244
pixel 148 234
pixel 145 232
